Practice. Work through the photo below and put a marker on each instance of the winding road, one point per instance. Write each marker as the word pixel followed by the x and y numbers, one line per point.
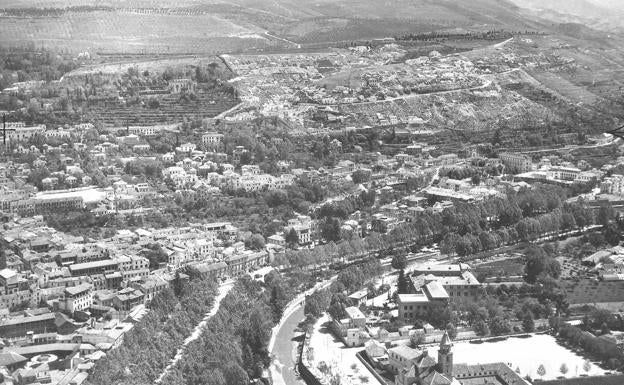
pixel 285 351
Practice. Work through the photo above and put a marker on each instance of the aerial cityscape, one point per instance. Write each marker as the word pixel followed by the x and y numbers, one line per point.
pixel 333 192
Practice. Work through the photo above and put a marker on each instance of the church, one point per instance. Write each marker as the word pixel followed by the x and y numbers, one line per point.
pixel 424 370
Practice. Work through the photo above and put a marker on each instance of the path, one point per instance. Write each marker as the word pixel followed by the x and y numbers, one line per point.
pixel 297 45
pixel 224 289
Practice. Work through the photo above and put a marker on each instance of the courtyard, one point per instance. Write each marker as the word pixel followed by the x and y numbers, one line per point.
pixel 525 354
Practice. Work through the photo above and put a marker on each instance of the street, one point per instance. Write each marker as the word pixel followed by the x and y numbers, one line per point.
pixel 284 351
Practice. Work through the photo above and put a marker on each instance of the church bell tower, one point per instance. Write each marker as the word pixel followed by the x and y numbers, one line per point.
pixel 445 356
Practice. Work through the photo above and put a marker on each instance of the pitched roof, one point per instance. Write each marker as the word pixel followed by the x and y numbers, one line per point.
pixel 436 290
pixel 10 358
pixel 406 352
pixel 446 340
pixel 436 378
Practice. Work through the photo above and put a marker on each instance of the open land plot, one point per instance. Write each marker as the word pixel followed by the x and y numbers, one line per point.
pixel 327 348
pixel 564 87
pixel 527 354
pixel 589 291
pixel 510 267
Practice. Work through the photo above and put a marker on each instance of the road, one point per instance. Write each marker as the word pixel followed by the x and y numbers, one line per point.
pixel 285 349
pixel 224 289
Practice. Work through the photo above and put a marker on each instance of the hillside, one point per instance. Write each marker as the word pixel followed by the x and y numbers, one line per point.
pixel 599 14
pixel 214 26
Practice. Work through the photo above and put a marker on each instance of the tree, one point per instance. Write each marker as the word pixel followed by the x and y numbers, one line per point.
pixel 555 323
pixel 292 239
pixel 481 328
pixel 451 330
pixel 605 214
pixel 330 230
pixel 528 324
pixel 563 369
pixel 539 264
pixel 399 262
pixel 586 366
pixel 403 285
pixel 541 371
pixel 256 242
pixel 499 325
pixel 417 339
pixel 612 235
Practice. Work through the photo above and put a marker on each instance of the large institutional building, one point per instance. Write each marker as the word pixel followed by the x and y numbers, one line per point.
pixel 416 367
pixel 433 284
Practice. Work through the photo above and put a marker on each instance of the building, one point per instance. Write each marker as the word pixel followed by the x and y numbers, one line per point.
pixel 519 162
pixel 76 298
pixel 413 367
pixel 46 204
pixel 402 357
pixel 94 267
pixel 17 289
pixel 177 86
pixel 20 326
pixel 613 185
pixel 22 133
pixel 412 306
pixel 212 139
pixel 214 271
pixel 352 329
pixel 302 226
pixel 564 173
pixel 437 284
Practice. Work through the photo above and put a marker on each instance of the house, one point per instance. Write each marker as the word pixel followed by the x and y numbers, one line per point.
pixel 358 298
pixel 186 148
pixel 402 357
pixel 212 139
pixel 302 226
pixel 76 298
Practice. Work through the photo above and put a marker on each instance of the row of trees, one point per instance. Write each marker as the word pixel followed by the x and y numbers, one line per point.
pixel 606 350
pixel 463 228
pixel 233 347
pixel 570 216
pixel 153 342
pixel 345 207
pixel 334 300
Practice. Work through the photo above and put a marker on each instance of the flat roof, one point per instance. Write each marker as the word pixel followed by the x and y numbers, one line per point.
pixel 73 290
pixel 55 347
pixel 28 319
pixel 413 298
pixel 93 264
pixel 89 195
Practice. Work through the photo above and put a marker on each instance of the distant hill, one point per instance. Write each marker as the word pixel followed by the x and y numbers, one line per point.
pixel 600 14
pixel 215 26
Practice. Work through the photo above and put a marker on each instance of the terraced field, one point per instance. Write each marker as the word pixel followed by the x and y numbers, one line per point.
pixel 170 110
